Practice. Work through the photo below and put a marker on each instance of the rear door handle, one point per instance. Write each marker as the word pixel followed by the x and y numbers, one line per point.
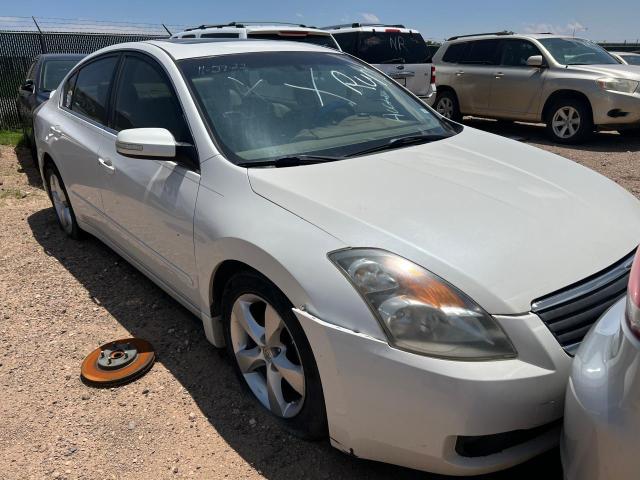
pixel 499 74
pixel 459 73
pixel 106 164
pixel 55 129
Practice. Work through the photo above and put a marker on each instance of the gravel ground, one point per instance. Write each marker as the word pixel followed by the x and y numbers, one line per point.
pixel 60 299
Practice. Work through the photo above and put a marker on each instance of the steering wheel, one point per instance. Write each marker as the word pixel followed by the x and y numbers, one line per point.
pixel 334 111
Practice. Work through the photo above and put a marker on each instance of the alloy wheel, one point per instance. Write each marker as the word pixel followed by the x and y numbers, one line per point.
pixel 61 203
pixel 267 355
pixel 445 107
pixel 566 122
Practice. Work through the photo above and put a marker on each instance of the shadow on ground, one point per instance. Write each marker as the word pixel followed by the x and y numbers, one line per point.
pixel 27 165
pixel 536 133
pixel 147 312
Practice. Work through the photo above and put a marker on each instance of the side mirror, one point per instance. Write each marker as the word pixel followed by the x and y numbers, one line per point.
pixel 146 143
pixel 535 61
pixel 28 86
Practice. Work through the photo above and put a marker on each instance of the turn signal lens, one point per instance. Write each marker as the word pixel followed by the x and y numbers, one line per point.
pixel 633 297
pixel 419 311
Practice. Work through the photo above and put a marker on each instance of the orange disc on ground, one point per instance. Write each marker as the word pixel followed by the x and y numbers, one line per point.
pixel 118 362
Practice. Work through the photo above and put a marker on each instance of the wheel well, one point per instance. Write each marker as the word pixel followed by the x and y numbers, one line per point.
pixel 564 94
pixel 46 162
pixel 446 88
pixel 222 275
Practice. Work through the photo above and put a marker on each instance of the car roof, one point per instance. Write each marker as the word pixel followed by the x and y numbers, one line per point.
pixel 484 36
pixel 180 49
pixel 62 56
pixel 368 27
pixel 237 27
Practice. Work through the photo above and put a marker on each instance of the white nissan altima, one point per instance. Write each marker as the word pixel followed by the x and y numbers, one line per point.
pixel 409 287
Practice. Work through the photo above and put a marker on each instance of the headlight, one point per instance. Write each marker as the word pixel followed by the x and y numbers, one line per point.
pixel 618 84
pixel 419 311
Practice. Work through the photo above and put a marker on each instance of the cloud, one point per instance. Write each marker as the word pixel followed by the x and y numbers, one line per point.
pixel 567 29
pixel 370 17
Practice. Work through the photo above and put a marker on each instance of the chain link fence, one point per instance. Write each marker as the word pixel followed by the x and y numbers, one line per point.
pixel 24 38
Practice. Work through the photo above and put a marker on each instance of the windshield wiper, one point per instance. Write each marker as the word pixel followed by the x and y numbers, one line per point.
pixel 394 60
pixel 401 141
pixel 291 161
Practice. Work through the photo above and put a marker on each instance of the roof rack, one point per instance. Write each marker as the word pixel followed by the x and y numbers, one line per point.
pixel 504 32
pixel 358 25
pixel 243 24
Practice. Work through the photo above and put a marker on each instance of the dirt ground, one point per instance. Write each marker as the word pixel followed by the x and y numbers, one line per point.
pixel 188 417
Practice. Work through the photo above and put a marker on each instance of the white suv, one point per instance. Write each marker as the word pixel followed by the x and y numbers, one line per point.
pixel 397 51
pixel 262 31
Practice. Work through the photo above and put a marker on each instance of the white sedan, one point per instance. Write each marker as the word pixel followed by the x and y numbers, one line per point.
pixel 381 276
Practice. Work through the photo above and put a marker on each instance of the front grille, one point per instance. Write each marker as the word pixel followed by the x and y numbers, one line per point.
pixel 570 312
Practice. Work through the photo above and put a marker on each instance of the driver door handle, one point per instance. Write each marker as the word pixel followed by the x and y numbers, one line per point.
pixel 459 73
pixel 499 74
pixel 106 164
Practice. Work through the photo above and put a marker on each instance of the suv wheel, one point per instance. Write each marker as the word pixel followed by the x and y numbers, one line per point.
pixel 447 105
pixel 271 354
pixel 570 121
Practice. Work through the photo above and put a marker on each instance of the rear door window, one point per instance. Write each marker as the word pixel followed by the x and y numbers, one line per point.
pixel 482 52
pixel 146 99
pixel 392 47
pixel 516 52
pixel 454 53
pixel 91 92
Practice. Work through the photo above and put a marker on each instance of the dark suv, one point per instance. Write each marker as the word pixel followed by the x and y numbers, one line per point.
pixel 43 76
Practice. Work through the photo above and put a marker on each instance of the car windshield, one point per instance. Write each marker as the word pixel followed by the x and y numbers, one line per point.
pixel 631 59
pixel 293 36
pixel 53 71
pixel 392 47
pixel 263 106
pixel 576 51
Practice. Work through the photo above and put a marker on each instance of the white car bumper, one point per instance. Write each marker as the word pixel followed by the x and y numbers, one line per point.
pixel 602 417
pixel 393 406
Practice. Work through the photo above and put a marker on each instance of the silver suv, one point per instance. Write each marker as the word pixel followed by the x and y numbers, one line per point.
pixel 571 84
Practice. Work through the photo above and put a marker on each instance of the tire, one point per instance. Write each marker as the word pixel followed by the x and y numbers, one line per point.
pixel 447 105
pixel 249 302
pixel 570 121
pixel 61 203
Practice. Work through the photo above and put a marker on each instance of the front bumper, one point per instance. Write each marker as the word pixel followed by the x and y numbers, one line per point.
pixel 397 407
pixel 612 109
pixel 601 424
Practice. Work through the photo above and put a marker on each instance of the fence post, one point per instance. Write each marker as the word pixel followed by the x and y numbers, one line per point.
pixel 43 44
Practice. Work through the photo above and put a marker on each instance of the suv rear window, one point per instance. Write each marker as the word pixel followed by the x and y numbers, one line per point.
pixel 392 47
pixel 454 53
pixel 322 40
pixel 482 52
pixel 220 35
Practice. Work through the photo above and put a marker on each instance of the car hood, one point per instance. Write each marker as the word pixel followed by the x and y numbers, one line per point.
pixel 502 221
pixel 618 70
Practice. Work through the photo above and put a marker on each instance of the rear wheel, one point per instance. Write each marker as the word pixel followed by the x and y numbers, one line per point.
pixel 61 204
pixel 570 121
pixel 271 354
pixel 447 105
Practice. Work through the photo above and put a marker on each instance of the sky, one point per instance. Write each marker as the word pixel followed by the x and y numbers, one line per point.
pixel 592 19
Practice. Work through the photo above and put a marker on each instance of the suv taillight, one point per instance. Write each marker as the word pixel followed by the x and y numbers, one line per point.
pixel 433 75
pixel 633 297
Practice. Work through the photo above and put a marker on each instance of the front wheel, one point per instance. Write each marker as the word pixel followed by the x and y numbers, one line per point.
pixel 271 354
pixel 447 105
pixel 61 204
pixel 570 121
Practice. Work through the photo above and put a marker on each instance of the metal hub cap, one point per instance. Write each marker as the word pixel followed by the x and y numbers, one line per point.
pixel 267 355
pixel 445 107
pixel 60 203
pixel 566 122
